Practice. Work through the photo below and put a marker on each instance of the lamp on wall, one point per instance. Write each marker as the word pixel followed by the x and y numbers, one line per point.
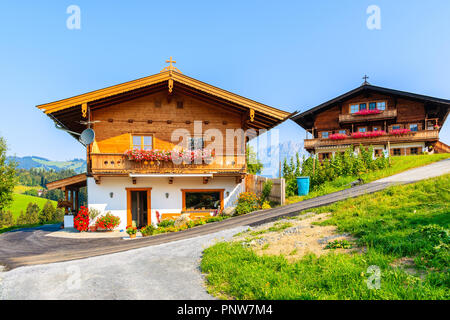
pixel 167 195
pixel 228 193
pixel 111 194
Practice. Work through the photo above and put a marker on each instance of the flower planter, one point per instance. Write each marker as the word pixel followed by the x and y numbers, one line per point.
pixel 93 228
pixel 68 221
pixel 132 236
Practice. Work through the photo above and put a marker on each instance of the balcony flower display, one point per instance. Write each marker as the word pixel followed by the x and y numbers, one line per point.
pixel 187 156
pixel 399 131
pixel 367 112
pixel 338 136
pixel 369 134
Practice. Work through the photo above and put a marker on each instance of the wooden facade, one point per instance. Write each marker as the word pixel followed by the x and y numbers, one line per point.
pixel 155 107
pixel 368 109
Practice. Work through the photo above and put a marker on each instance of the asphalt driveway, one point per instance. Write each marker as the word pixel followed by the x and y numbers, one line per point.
pixel 166 271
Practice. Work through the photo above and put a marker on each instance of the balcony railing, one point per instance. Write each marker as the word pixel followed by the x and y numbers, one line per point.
pixel 424 135
pixel 386 114
pixel 113 163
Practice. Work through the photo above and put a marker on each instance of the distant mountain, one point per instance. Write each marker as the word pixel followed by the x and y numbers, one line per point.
pixel 273 155
pixel 78 165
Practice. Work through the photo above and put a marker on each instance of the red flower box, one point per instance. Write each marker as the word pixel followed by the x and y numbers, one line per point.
pixel 399 131
pixel 367 112
pixel 338 136
pixel 369 134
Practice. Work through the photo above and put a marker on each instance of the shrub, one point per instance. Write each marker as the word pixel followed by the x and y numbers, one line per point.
pixel 47 213
pixel 93 214
pixel 148 230
pixel 108 221
pixel 266 205
pixel 246 203
pixel 166 223
pixel 81 220
pixel 267 189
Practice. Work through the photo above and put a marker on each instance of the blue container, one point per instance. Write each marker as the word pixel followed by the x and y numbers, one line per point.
pixel 303 186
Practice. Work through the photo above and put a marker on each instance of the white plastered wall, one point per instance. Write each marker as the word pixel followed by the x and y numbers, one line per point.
pixel 99 195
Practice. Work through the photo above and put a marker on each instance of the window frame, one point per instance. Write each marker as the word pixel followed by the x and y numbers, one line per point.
pixel 414 124
pixel 183 196
pixel 142 145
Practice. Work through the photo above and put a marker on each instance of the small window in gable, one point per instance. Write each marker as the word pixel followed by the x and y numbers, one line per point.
pixel 372 106
pixel 144 142
pixel 362 106
pixel 414 127
pixel 354 108
pixel 325 134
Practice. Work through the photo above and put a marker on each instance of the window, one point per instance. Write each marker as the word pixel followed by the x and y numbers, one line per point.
pixel 354 108
pixel 343 131
pixel 142 142
pixel 397 152
pixel 362 106
pixel 381 105
pixel 378 152
pixel 372 106
pixel 363 129
pixel 202 200
pixel 325 134
pixel 195 143
pixel 325 155
pixel 396 127
pixel 414 127
pixel 414 150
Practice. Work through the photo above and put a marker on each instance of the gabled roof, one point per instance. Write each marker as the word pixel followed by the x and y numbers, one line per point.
pixel 304 118
pixel 161 77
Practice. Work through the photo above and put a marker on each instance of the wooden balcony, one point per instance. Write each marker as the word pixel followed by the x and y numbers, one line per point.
pixel 384 115
pixel 425 135
pixel 112 163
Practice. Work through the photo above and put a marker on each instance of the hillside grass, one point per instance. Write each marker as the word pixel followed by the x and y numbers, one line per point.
pixel 21 201
pixel 398 164
pixel 401 222
pixel 21 188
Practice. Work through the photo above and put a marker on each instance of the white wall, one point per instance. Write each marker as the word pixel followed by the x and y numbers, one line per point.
pixel 99 194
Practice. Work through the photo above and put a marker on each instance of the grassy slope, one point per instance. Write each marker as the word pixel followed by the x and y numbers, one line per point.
pixel 398 164
pixel 388 223
pixel 21 202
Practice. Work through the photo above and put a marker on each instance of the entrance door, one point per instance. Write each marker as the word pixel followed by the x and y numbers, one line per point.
pixel 138 207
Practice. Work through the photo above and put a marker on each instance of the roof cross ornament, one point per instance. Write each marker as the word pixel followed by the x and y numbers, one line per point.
pixel 365 79
pixel 171 67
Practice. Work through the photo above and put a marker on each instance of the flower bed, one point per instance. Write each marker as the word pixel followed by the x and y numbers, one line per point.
pixel 399 131
pixel 166 156
pixel 369 134
pixel 367 112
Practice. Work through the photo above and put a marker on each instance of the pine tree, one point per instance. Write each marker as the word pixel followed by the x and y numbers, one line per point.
pixel 46 213
pixel 32 213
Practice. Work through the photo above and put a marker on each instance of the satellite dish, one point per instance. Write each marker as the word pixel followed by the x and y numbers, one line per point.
pixel 87 136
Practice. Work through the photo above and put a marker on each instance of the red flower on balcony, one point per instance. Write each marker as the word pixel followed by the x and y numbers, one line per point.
pixel 399 131
pixel 205 155
pixel 367 112
pixel 338 136
pixel 369 134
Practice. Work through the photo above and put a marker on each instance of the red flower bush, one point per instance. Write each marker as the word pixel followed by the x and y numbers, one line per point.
pixel 367 112
pixel 81 220
pixel 399 131
pixel 108 221
pixel 338 136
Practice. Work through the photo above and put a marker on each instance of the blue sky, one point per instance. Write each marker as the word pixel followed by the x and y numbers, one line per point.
pixel 288 54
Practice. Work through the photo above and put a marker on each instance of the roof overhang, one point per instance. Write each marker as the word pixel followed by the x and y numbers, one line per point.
pixel 69 112
pixel 306 119
pixel 70 183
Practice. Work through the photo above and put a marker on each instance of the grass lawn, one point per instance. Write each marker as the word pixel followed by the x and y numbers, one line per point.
pixel 398 164
pixel 400 224
pixel 21 189
pixel 21 202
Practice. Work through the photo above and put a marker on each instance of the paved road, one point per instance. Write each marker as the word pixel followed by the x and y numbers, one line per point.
pixel 167 271
pixel 31 247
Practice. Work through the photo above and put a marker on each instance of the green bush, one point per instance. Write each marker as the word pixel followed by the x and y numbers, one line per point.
pixel 148 230
pixel 166 223
pixel 267 189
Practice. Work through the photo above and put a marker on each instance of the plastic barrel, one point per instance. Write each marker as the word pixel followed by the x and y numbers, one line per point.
pixel 303 186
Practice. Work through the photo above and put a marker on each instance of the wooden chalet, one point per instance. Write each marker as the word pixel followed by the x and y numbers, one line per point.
pixel 142 115
pixel 393 122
